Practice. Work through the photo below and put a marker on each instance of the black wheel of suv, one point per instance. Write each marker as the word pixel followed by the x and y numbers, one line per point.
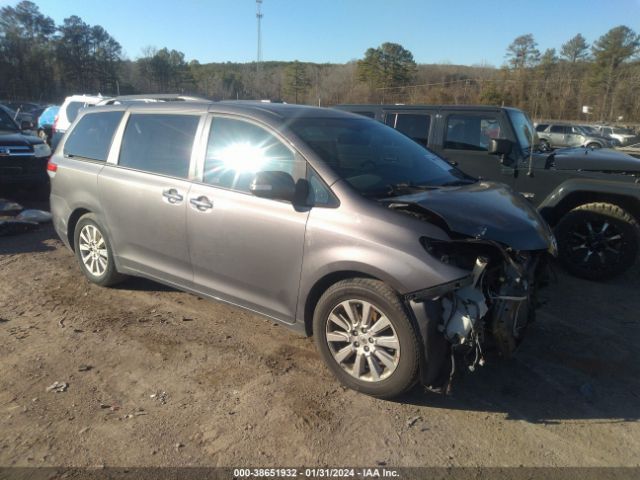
pixel 544 145
pixel 594 145
pixel 366 337
pixel 597 241
pixel 94 253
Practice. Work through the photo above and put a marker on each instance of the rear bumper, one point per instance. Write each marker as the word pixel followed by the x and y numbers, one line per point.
pixel 60 212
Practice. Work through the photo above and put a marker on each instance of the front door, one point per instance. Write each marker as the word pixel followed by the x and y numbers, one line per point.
pixel 244 249
pixel 465 140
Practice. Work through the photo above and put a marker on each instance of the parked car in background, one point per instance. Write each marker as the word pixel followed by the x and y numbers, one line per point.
pixel 622 135
pixel 23 157
pixel 593 131
pixel 591 197
pixel 20 117
pixel 330 223
pixel 45 122
pixel 557 135
pixel 68 112
pixel 26 107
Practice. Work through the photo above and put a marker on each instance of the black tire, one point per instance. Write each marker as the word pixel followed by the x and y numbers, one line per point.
pixel 384 299
pixel 110 275
pixel 597 241
pixel 594 145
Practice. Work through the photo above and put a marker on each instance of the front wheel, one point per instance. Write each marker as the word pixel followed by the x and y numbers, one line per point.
pixel 365 336
pixel 594 145
pixel 94 253
pixel 597 241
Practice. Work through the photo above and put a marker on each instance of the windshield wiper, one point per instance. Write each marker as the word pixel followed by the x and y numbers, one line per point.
pixel 408 187
pixel 455 183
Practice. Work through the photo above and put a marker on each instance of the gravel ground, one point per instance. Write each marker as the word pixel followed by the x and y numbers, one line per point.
pixel 156 377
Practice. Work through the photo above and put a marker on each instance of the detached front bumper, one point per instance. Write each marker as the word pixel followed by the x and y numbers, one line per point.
pixel 489 310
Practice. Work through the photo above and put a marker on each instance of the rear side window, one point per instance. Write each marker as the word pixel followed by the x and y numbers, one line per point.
pixel 72 110
pixel 559 129
pixel 159 143
pixel 471 132
pixel 414 126
pixel 91 137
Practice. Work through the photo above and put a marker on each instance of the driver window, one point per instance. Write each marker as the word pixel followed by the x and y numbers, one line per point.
pixel 237 150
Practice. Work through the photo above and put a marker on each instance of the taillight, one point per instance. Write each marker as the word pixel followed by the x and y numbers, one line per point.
pixel 55 122
pixel 52 166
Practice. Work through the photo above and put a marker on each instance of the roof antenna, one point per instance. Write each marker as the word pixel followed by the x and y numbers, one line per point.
pixel 530 171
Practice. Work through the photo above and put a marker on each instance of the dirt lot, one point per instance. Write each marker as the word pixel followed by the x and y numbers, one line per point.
pixel 158 377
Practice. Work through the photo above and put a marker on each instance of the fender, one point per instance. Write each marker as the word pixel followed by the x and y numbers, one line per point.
pixel 622 185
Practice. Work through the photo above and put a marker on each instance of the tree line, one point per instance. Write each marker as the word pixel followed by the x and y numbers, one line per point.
pixel 45 62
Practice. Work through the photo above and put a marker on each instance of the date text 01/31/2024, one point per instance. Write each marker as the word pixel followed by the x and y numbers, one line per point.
pixel 315 472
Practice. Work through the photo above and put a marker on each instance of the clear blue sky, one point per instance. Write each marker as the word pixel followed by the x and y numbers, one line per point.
pixel 455 31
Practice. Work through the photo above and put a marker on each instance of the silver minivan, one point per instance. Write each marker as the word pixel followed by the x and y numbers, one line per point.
pixel 340 227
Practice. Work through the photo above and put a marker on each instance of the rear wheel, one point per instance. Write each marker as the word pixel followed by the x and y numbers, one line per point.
pixel 597 240
pixel 366 337
pixel 94 253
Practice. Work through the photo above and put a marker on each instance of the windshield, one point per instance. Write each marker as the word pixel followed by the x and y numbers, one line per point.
pixel 524 129
pixel 6 122
pixel 375 159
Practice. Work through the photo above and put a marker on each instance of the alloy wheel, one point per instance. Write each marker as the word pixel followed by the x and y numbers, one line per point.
pixel 595 243
pixel 362 340
pixel 93 250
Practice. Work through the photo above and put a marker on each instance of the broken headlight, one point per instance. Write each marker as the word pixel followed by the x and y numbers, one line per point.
pixel 461 254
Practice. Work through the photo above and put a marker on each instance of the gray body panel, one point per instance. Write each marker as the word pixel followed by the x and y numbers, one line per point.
pixel 148 233
pixel 264 255
pixel 247 250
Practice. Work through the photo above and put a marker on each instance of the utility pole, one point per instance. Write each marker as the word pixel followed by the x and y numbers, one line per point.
pixel 259 54
pixel 259 16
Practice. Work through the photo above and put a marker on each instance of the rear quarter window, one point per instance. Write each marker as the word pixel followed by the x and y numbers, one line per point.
pixel 91 137
pixel 72 110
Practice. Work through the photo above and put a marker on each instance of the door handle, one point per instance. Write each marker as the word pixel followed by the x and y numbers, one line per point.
pixel 201 203
pixel 173 196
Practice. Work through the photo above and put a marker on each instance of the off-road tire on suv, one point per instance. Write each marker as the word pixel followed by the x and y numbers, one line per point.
pixel 89 230
pixel 382 300
pixel 597 241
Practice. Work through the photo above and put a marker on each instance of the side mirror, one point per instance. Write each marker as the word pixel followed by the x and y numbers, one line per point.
pixel 26 125
pixel 500 146
pixel 274 185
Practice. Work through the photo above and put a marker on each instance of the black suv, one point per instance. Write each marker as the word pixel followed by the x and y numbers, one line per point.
pixel 23 156
pixel 590 197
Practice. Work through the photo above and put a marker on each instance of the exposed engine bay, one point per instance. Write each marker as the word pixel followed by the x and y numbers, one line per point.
pixel 488 311
pixel 493 310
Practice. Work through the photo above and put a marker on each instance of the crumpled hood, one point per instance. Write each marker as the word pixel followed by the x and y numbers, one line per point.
pixel 602 159
pixel 485 210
